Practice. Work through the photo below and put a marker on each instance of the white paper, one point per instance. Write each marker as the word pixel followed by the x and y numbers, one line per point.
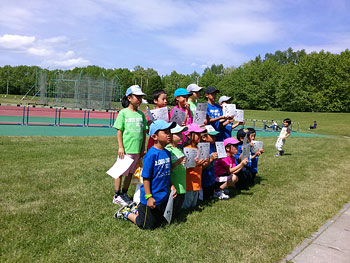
pixel 239 115
pixel 168 213
pixel 256 146
pixel 209 128
pixel 245 149
pixel 160 114
pixel 202 107
pixel 178 116
pixel 203 150
pixel 190 154
pixel 220 149
pixel 150 116
pixel 229 109
pixel 199 117
pixel 120 166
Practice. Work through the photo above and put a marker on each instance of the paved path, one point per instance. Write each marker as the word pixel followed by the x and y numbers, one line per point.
pixel 330 244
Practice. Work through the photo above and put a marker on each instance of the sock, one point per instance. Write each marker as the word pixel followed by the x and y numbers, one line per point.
pixel 117 192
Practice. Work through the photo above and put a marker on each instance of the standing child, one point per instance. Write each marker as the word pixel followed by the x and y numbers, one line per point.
pixel 284 134
pixel 226 169
pixel 156 181
pixel 160 98
pixel 254 156
pixel 192 101
pixel 193 175
pixel 214 111
pixel 227 123
pixel 131 128
pixel 181 97
pixel 178 170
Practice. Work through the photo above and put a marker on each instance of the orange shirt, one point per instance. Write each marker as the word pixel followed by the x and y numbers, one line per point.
pixel 193 177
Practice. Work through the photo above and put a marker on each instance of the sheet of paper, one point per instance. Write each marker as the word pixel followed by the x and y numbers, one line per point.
pixel 245 149
pixel 150 116
pixel 239 115
pixel 202 107
pixel 209 128
pixel 190 154
pixel 168 213
pixel 160 114
pixel 220 149
pixel 120 166
pixel 178 116
pixel 199 117
pixel 203 150
pixel 229 109
pixel 256 146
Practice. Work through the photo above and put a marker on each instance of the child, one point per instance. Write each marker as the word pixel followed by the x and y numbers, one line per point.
pixel 254 156
pixel 214 111
pixel 226 169
pixel 192 101
pixel 178 172
pixel 208 176
pixel 181 97
pixel 131 128
pixel 227 123
pixel 284 134
pixel 156 180
pixel 160 98
pixel 193 175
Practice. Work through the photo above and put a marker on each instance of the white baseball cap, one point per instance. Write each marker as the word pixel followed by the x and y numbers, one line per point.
pixel 223 99
pixel 193 87
pixel 134 89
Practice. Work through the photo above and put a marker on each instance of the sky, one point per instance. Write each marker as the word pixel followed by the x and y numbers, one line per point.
pixel 165 35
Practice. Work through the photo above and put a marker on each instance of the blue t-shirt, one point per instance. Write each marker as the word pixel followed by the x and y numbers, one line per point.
pixel 208 175
pixel 239 153
pixel 254 165
pixel 156 168
pixel 227 131
pixel 215 111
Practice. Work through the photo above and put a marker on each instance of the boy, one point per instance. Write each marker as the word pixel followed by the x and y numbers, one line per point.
pixel 156 180
pixel 227 124
pixel 214 111
pixel 160 99
pixel 284 134
pixel 192 101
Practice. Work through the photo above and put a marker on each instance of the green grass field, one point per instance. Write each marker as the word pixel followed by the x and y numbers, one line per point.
pixel 56 202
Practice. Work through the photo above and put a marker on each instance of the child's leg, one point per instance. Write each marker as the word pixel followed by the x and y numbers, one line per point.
pixel 117 183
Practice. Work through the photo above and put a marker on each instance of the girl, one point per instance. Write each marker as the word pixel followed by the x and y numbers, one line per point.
pixel 192 101
pixel 131 125
pixel 194 175
pixel 181 97
pixel 226 169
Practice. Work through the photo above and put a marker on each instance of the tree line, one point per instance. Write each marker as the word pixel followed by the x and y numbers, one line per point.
pixel 286 80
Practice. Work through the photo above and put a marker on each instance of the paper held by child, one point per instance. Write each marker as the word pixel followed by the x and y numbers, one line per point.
pixel 178 116
pixel 202 107
pixel 190 155
pixel 199 117
pixel 168 213
pixel 239 115
pixel 203 150
pixel 257 145
pixel 158 114
pixel 245 149
pixel 120 166
pixel 220 149
pixel 209 128
pixel 229 109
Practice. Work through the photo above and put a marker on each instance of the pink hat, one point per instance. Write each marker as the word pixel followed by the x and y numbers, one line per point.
pixel 231 140
pixel 193 127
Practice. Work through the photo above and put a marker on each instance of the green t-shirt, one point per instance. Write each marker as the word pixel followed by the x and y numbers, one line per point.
pixel 132 124
pixel 193 107
pixel 178 174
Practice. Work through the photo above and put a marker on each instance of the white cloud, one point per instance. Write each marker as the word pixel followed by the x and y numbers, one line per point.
pixel 68 63
pixel 16 42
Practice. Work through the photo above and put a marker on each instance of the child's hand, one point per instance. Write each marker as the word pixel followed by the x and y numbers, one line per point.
pixel 213 156
pixel 181 160
pixel 245 161
pixel 174 191
pixel 121 153
pixel 261 150
pixel 151 203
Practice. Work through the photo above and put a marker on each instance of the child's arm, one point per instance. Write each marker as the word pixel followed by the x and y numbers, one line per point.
pixel 238 167
pixel 151 202
pixel 121 150
pixel 172 188
pixel 181 160
pixel 142 153
pixel 288 134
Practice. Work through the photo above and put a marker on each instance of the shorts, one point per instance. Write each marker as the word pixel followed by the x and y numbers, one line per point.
pixel 191 199
pixel 150 218
pixel 132 167
pixel 178 202
pixel 219 180
pixel 279 144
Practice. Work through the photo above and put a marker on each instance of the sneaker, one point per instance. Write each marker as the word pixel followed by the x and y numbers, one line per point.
pixel 126 198
pixel 226 191
pixel 277 155
pixel 123 213
pixel 133 207
pixel 221 195
pixel 118 200
pixel 281 152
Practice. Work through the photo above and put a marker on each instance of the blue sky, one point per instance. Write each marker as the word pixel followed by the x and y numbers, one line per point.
pixel 185 36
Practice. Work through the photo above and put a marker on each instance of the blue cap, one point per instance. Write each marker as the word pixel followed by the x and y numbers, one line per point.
pixel 134 89
pixel 159 125
pixel 181 92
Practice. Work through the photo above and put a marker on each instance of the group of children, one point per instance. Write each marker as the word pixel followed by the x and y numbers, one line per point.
pixel 164 170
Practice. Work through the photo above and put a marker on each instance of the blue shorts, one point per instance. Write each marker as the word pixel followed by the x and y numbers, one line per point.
pixel 191 198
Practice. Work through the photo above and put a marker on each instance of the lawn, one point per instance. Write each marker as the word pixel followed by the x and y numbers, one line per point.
pixel 56 202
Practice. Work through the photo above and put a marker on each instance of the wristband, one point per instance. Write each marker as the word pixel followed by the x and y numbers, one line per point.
pixel 148 196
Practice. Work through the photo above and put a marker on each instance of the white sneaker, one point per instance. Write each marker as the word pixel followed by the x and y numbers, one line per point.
pixel 221 195
pixel 119 200
pixel 126 198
